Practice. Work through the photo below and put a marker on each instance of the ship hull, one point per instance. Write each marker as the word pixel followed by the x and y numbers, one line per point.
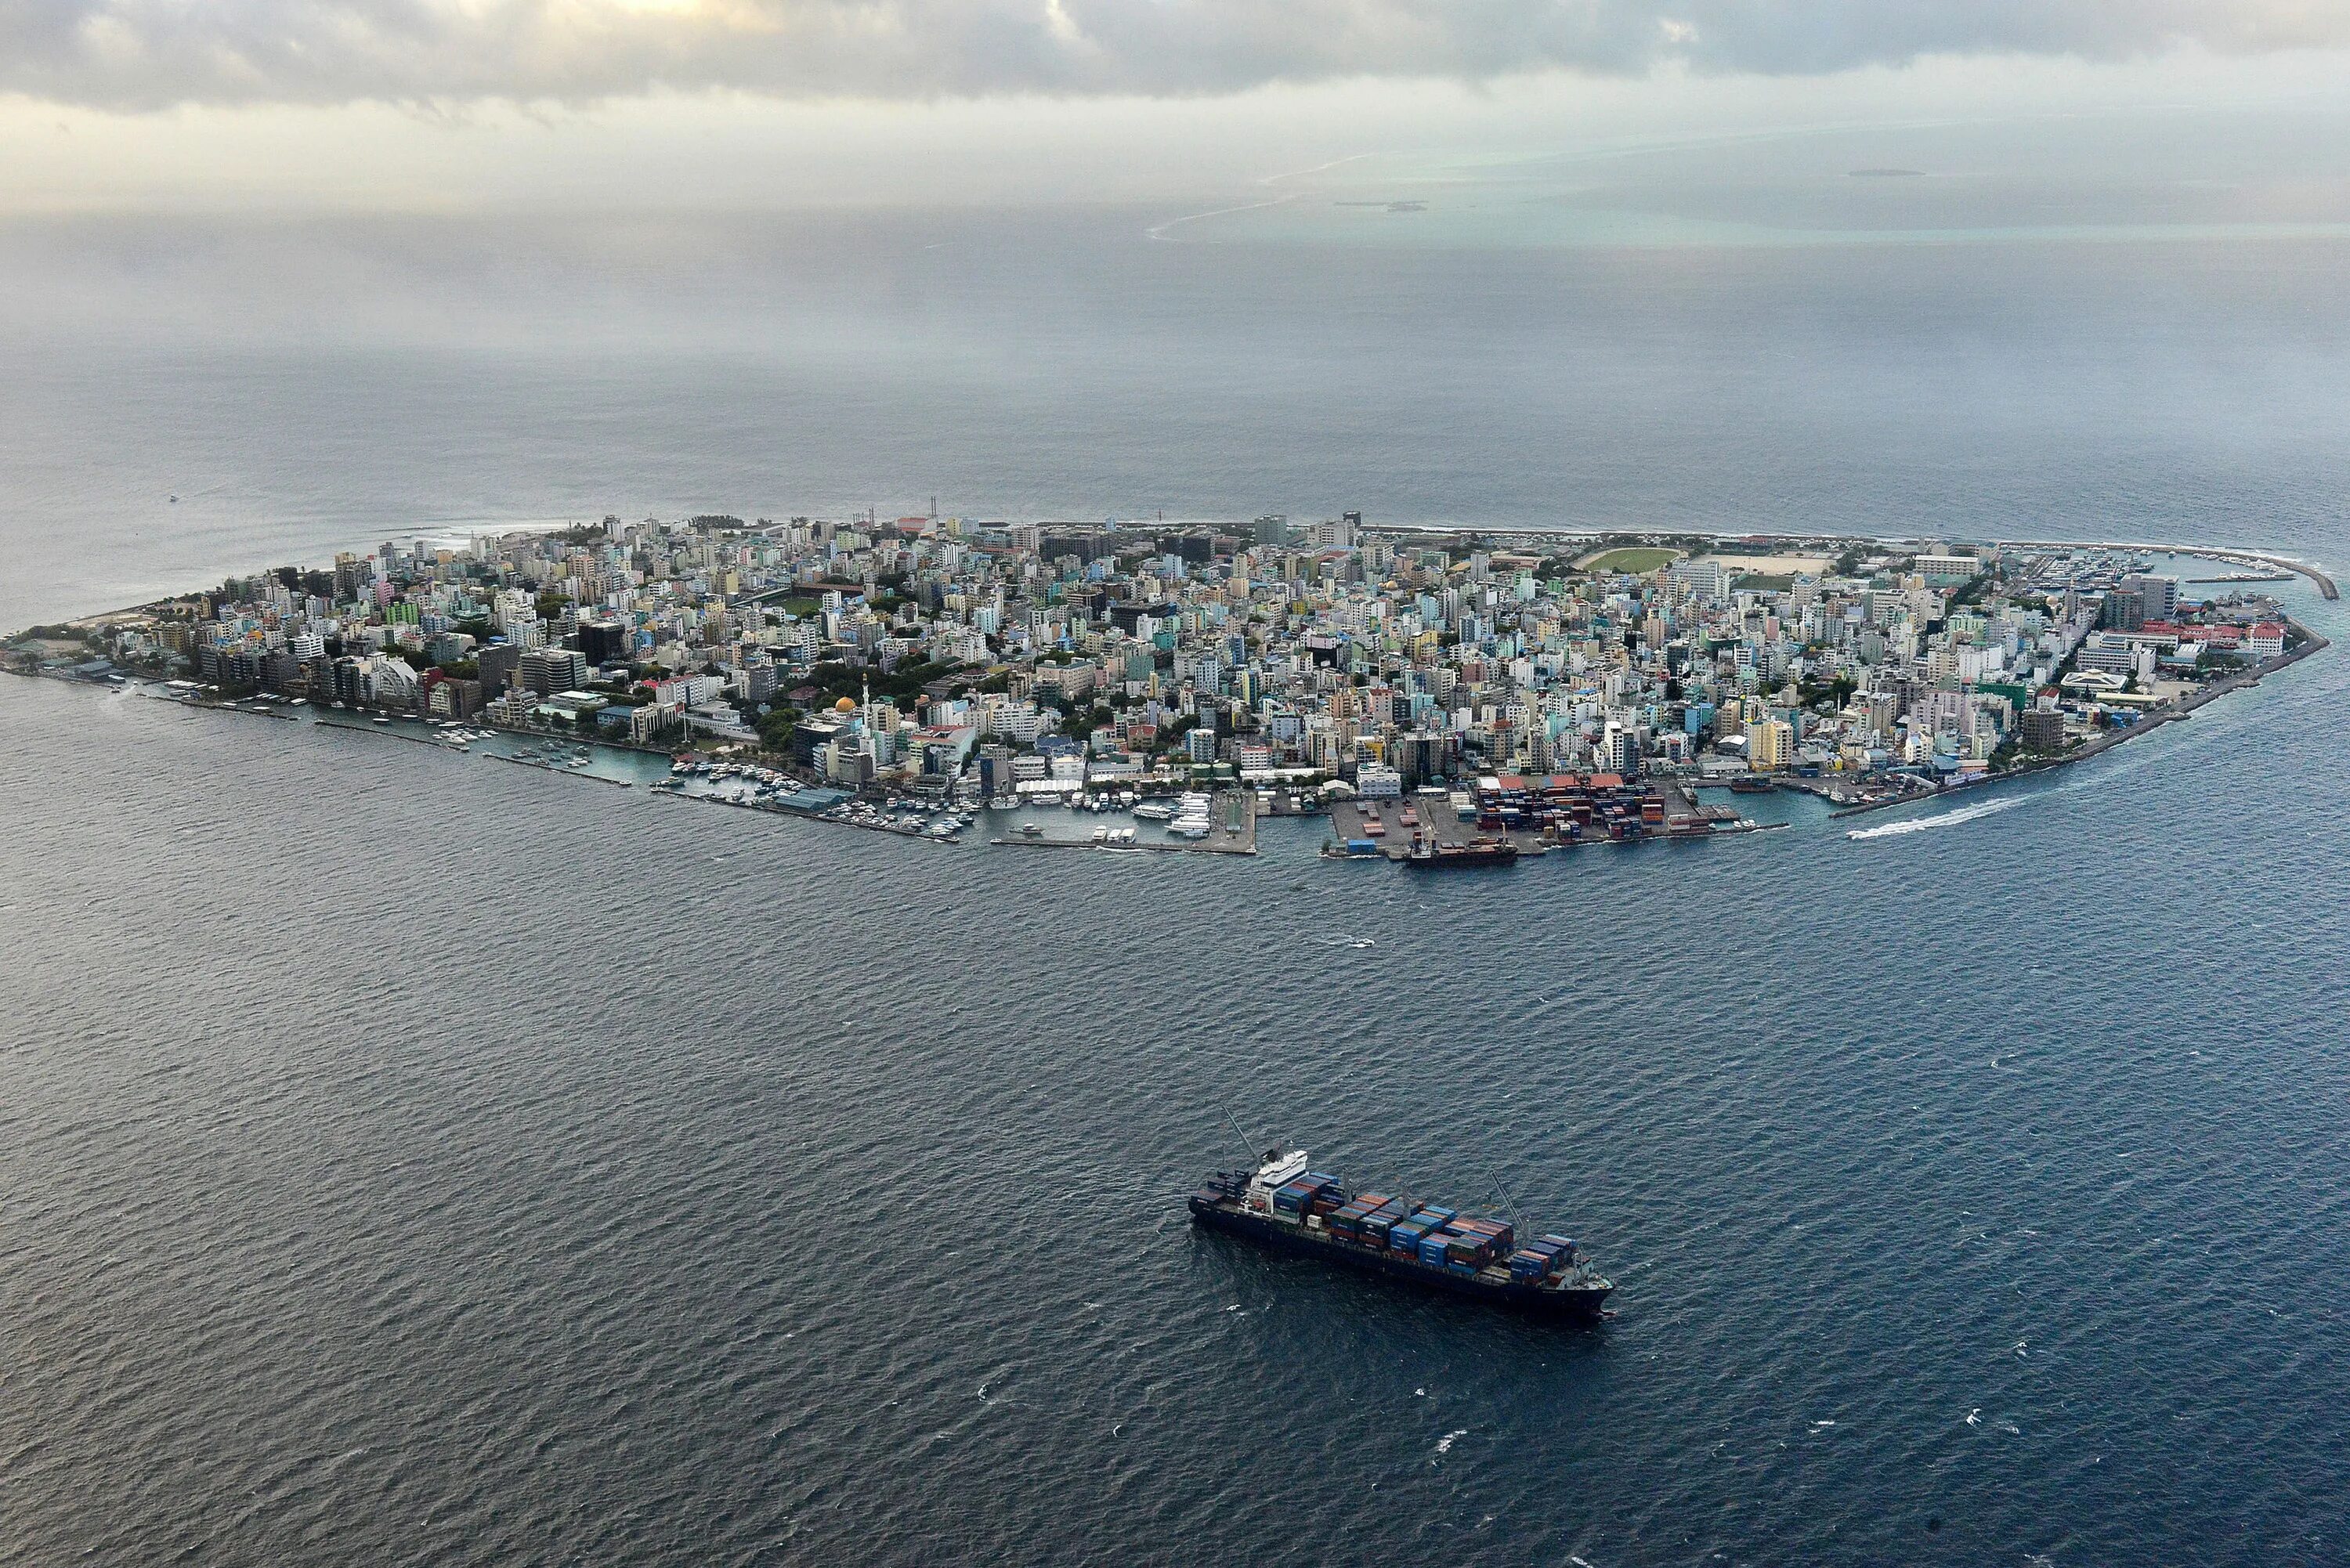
pixel 1581 1304
pixel 1464 860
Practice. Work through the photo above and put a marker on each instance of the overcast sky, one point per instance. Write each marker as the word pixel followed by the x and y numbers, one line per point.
pixel 136 103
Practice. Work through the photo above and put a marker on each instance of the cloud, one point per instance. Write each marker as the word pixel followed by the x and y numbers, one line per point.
pixel 147 54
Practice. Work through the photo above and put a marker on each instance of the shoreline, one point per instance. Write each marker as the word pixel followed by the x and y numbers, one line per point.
pixel 1239 837
pixel 2327 589
pixel 2314 643
pixel 2099 745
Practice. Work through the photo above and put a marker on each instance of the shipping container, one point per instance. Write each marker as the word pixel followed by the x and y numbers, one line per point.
pixel 1530 1265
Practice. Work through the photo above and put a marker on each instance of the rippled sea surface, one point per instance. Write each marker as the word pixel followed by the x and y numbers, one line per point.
pixel 410 1159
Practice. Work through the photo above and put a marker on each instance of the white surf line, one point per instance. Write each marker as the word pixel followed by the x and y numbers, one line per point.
pixel 1946 819
pixel 1159 231
pixel 1301 173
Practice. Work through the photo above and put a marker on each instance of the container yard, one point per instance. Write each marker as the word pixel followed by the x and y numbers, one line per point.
pixel 1507 817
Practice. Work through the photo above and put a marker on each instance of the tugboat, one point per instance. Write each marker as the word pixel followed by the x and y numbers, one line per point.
pixel 1282 1204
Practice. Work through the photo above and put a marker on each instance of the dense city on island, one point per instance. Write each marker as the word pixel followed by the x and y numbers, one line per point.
pixel 1517 675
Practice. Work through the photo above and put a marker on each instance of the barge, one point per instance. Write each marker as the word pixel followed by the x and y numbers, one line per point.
pixel 1484 851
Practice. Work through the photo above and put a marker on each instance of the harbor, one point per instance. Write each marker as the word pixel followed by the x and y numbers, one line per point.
pixel 1505 818
pixel 1219 823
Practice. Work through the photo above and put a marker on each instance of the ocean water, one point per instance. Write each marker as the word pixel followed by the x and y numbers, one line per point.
pixel 307 385
pixel 408 1159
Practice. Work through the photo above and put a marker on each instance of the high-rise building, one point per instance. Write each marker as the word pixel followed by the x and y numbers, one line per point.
pixel 2157 598
pixel 604 641
pixel 497 664
pixel 546 671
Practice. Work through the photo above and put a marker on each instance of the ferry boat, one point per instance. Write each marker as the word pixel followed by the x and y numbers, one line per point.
pixel 1154 811
pixel 1285 1205
pixel 1191 820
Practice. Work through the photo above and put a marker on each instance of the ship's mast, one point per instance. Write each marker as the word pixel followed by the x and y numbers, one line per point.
pixel 1248 1144
pixel 1508 1202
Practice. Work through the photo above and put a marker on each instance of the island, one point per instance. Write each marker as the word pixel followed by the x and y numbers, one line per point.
pixel 1451 698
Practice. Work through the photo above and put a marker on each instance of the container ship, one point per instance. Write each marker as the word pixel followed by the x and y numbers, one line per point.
pixel 1284 1204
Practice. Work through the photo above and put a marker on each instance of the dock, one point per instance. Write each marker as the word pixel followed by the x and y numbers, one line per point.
pixel 1234 824
pixel 1384 822
pixel 1232 831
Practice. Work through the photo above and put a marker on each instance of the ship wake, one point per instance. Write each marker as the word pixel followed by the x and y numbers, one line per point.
pixel 1946 819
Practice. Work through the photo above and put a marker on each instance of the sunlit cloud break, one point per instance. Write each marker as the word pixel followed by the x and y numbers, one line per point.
pixel 143 54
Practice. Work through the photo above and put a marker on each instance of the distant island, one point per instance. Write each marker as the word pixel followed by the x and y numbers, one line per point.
pixel 1886 173
pixel 1448 696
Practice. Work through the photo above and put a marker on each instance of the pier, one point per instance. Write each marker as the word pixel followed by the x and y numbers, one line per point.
pixel 1389 823
pixel 1232 831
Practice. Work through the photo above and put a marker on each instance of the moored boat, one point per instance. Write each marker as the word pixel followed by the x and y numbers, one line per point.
pixel 1482 851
